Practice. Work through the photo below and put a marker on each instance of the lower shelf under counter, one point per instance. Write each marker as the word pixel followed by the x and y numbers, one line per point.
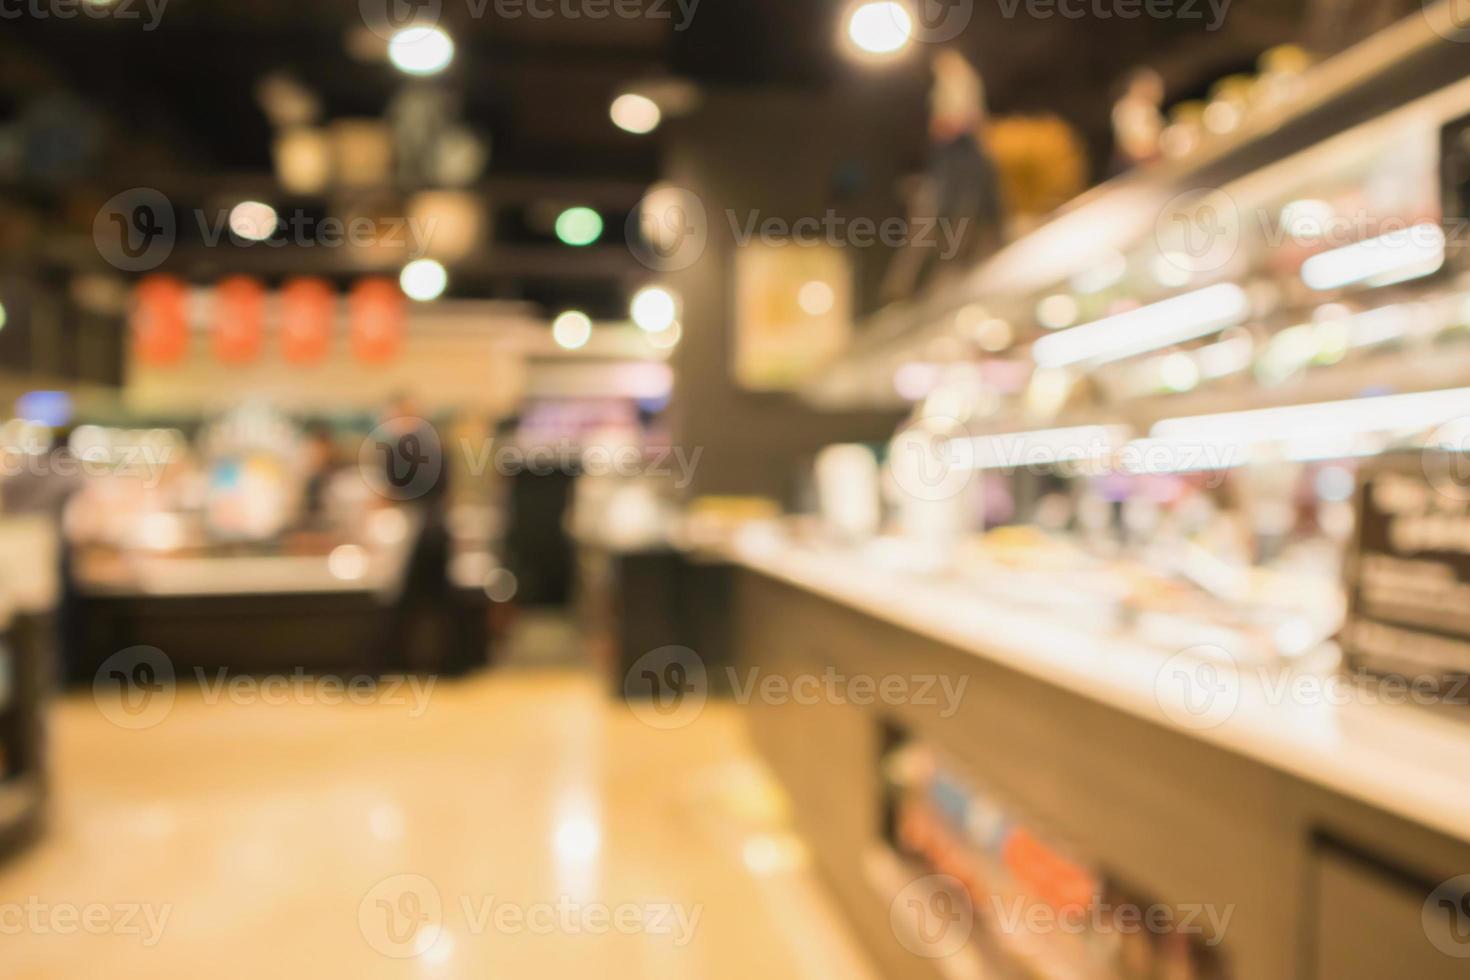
pixel 1327 863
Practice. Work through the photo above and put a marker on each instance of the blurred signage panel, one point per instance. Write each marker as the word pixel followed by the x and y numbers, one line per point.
pixel 1409 579
pixel 239 319
pixel 308 317
pixel 160 324
pixel 793 311
pixel 376 314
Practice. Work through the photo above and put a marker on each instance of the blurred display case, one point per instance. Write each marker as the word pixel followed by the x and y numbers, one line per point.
pixel 1156 406
pixel 1245 238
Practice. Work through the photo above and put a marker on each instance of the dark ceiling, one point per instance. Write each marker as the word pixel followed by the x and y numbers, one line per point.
pixel 177 108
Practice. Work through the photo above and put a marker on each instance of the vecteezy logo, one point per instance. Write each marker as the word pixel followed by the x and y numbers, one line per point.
pixel 135 231
pixel 932 459
pixel 667 688
pixel 1198 231
pixel 401 459
pixel 938 21
pixel 932 916
pixel 1198 687
pixel 386 18
pixel 1451 20
pixel 1446 917
pixel 401 916
pixel 409 452
pixel 134 688
pixel 668 230
pixel 1446 459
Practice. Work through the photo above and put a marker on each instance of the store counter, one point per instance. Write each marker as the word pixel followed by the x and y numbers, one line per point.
pixel 634 600
pixel 29 594
pixel 1323 817
pixel 309 601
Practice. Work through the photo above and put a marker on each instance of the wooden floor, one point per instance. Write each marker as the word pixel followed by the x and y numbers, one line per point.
pixel 519 825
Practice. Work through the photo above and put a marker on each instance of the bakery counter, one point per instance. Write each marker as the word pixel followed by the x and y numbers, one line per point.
pixel 1330 822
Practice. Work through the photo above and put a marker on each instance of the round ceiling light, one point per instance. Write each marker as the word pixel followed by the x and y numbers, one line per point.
pixel 653 308
pixel 571 330
pixel 880 28
pixel 423 280
pixel 635 113
pixel 421 50
pixel 253 221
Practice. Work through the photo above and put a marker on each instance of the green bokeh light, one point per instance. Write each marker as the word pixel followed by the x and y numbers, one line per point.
pixel 578 226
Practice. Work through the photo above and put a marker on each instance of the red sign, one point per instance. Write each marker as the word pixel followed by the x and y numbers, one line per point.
pixel 376 311
pixel 239 319
pixel 161 320
pixel 308 316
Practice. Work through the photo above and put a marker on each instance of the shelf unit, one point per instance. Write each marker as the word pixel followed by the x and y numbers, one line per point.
pixel 1412 67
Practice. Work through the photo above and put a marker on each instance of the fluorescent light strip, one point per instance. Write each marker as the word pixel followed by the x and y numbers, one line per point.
pixel 1203 455
pixel 1044 447
pixel 1303 427
pixel 1393 257
pixel 1380 326
pixel 1161 324
pixel 1177 456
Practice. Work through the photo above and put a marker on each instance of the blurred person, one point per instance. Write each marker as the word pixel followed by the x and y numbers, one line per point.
pixel 413 464
pixel 960 186
pixel 414 476
pixel 1138 120
pixel 538 550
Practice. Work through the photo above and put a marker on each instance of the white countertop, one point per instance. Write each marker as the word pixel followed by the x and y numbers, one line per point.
pixel 1406 759
pixel 373 561
pixel 157 577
